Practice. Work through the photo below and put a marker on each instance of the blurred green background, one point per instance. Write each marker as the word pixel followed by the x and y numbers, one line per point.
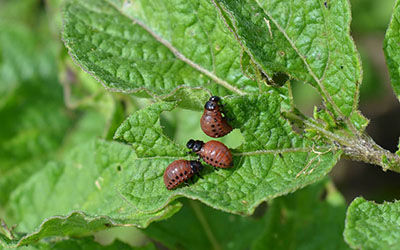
pixel 48 105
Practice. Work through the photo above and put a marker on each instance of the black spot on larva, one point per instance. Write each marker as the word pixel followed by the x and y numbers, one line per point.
pixel 341 67
pixel 220 163
pixel 215 120
pixel 185 172
pixel 211 160
pixel 214 130
pixel 177 177
pixel 181 174
pixel 212 125
pixel 119 168
pixel 207 157
pixel 173 180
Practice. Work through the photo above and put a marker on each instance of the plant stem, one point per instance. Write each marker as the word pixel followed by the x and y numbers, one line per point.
pixel 366 150
pixel 357 147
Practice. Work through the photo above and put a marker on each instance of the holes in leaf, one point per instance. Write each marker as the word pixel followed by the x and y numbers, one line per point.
pixel 280 78
pixel 277 80
pixel 305 97
pixel 168 124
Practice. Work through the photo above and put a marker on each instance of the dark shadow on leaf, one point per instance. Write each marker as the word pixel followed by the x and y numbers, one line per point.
pixel 260 211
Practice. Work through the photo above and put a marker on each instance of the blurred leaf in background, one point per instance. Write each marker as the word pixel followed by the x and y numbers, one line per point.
pixel 47 104
pixel 370 20
pixel 370 16
pixel 296 221
pixel 34 118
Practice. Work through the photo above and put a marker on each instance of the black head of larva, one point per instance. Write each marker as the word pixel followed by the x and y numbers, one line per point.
pixel 214 99
pixel 190 144
pixel 212 103
pixel 196 166
pixel 195 146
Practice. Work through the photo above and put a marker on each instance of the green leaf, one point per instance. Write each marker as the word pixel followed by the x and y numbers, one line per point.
pixel 144 132
pixel 398 146
pixel 76 223
pixel 312 218
pixel 289 222
pixel 34 119
pixel 79 195
pixel 269 163
pixel 84 243
pixel 156 47
pixel 22 58
pixel 198 226
pixel 391 49
pixel 89 243
pixel 14 12
pixel 371 16
pixel 307 40
pixel 373 226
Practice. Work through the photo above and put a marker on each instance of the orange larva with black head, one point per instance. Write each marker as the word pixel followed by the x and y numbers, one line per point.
pixel 180 171
pixel 214 153
pixel 212 122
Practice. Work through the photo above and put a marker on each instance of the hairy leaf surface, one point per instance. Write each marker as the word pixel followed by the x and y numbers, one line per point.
pixel 79 195
pixel 391 49
pixel 307 40
pixel 157 47
pixel 373 226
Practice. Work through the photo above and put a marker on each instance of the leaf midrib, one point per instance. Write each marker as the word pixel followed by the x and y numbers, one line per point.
pixel 179 55
pixel 309 69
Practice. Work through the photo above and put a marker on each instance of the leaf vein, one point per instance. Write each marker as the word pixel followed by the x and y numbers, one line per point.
pixel 180 56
